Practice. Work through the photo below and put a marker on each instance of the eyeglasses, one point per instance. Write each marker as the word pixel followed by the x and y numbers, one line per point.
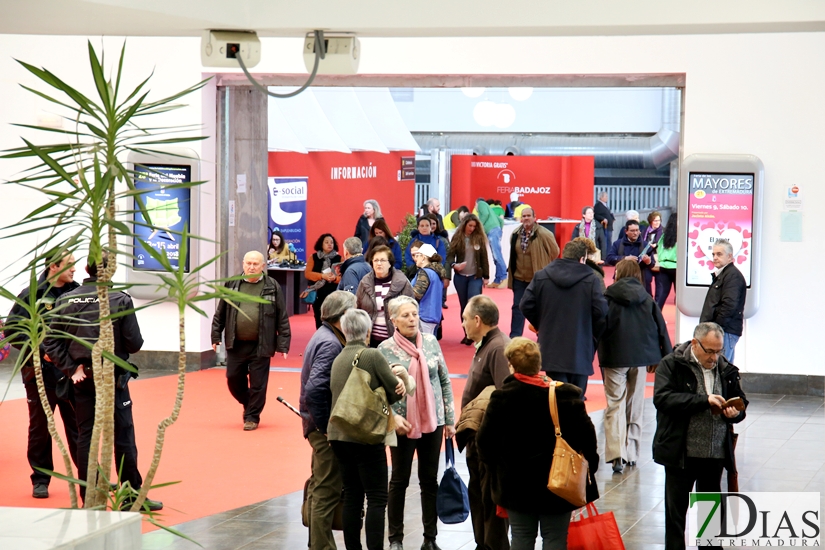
pixel 710 351
pixel 380 261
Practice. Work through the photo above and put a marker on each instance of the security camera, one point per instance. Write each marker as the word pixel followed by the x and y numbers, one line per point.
pixel 222 48
pixel 343 54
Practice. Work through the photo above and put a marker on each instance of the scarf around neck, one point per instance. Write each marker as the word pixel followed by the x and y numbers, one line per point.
pixel 591 231
pixel 327 264
pixel 421 406
pixel 541 380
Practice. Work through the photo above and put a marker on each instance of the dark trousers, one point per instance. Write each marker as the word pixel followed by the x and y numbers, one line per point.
pixel 364 472
pixel 579 380
pixel 126 459
pixel 39 451
pixel 647 275
pixel 706 473
pixel 247 376
pixel 324 492
pixel 466 287
pixel 608 239
pixel 665 279
pixel 517 321
pixel 490 530
pixel 428 448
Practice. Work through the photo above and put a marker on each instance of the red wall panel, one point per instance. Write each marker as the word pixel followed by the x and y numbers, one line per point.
pixel 339 183
pixel 554 186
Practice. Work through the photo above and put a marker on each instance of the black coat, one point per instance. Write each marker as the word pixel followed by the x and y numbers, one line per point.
pixel 362 229
pixel 79 315
pixel 676 399
pixel 635 334
pixel 516 441
pixel 725 300
pixel 46 296
pixel 564 301
pixel 273 322
pixel 602 212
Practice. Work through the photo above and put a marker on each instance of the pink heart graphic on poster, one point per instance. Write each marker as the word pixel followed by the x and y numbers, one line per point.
pixel 747 234
pixel 692 244
pixel 708 236
pixel 693 234
pixel 701 262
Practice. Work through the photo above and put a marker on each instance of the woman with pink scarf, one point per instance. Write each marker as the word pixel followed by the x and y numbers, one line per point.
pixel 422 420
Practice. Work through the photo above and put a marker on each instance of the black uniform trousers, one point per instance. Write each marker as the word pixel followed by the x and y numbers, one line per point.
pixel 125 446
pixel 490 531
pixel 39 451
pixel 706 473
pixel 247 376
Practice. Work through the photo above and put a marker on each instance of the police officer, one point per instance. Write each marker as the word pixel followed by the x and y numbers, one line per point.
pixel 79 315
pixel 57 279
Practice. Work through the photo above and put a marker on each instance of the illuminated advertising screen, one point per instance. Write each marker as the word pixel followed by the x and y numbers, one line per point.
pixel 168 211
pixel 720 206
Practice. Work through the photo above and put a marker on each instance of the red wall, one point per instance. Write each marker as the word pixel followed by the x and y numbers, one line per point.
pixel 336 200
pixel 554 186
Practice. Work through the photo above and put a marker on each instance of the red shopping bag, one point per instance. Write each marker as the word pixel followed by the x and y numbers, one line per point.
pixel 594 532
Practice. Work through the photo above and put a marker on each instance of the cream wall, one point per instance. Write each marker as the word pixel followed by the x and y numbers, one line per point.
pixel 756 93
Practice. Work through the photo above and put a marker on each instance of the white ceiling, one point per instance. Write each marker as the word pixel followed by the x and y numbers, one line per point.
pixel 411 18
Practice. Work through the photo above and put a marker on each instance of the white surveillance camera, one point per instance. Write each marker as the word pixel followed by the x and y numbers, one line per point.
pixel 222 48
pixel 343 54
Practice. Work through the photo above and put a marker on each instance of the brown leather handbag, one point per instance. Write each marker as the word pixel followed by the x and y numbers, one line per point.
pixel 569 472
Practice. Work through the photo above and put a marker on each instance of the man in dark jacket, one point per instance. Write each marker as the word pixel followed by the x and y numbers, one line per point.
pixel 324 491
pixel 564 302
pixel 56 280
pixel 489 368
pixel 79 315
pixel 630 246
pixel 693 438
pixel 253 336
pixel 605 217
pixel 725 300
pixel 354 267
pixel 434 208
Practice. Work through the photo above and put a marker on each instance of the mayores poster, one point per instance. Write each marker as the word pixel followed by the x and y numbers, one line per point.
pixel 720 206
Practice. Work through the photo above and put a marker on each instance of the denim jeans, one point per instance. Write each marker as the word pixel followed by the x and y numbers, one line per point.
pixel 467 287
pixel 494 236
pixel 524 529
pixel 517 321
pixel 729 346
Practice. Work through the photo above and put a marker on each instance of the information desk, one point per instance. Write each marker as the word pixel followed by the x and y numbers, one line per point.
pixel 292 284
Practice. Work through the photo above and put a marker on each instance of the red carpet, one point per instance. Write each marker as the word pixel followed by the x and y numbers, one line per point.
pixel 220 466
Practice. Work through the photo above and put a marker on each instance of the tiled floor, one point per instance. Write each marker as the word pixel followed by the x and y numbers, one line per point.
pixel 781 448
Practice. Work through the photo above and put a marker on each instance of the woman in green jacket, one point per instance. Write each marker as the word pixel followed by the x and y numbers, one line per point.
pixel 666 260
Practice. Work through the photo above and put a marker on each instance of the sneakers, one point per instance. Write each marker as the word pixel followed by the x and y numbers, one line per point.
pixel 40 490
pixel 430 545
pixel 617 466
pixel 396 546
pixel 249 426
pixel 152 505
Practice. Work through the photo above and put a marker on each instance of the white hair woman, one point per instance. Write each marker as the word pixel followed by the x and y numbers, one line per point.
pixel 372 212
pixel 363 467
pixel 422 420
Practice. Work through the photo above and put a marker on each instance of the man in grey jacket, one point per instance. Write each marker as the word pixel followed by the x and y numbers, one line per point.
pixel 324 490
pixel 254 332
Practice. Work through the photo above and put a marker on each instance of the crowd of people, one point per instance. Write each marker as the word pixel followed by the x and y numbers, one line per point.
pixel 377 320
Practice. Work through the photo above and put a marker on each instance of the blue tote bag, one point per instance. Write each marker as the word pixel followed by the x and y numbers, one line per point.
pixel 452 502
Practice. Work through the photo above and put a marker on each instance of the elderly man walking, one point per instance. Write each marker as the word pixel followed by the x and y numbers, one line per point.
pixel 725 300
pixel 254 332
pixel 694 440
pixel 532 247
pixel 487 373
pixel 324 491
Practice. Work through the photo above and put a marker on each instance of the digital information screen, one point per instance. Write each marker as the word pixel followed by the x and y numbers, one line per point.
pixel 168 210
pixel 719 206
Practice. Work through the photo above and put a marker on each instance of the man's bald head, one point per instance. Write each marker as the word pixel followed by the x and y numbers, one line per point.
pixel 253 265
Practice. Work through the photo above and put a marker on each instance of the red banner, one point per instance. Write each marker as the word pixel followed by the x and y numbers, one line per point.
pixel 339 183
pixel 553 186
